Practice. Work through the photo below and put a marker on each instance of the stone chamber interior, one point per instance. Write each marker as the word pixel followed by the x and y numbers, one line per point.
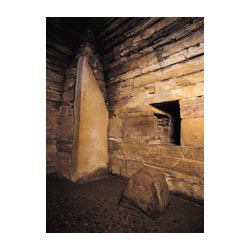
pixel 123 94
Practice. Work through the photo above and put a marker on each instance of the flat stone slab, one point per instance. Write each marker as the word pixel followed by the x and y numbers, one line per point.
pixel 148 190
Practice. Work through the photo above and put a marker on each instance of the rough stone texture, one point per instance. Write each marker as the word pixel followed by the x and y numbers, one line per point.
pixel 182 165
pixel 60 48
pixel 115 127
pixel 158 63
pixel 65 130
pixel 139 129
pixel 148 190
pixel 52 117
pixel 192 107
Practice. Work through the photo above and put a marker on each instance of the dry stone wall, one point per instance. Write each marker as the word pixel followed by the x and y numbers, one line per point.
pixel 62 42
pixel 155 61
pixel 58 53
pixel 67 136
pixel 67 39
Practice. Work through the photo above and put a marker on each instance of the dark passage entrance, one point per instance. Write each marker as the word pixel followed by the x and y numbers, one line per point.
pixel 169 125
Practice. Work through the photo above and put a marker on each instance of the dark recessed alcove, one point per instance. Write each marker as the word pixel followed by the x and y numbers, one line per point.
pixel 169 122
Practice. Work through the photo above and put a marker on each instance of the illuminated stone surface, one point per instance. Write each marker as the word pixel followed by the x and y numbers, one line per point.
pixel 92 154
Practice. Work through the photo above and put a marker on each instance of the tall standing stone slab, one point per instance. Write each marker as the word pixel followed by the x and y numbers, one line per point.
pixel 90 150
pixel 148 190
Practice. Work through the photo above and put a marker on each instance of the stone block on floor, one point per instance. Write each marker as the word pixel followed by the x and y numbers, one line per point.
pixel 148 190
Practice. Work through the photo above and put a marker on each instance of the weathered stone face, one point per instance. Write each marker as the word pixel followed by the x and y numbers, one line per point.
pixel 140 129
pixel 92 149
pixel 148 190
pixel 163 67
pixel 115 127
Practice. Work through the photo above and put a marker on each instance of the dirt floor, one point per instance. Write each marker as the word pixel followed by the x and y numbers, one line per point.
pixel 94 207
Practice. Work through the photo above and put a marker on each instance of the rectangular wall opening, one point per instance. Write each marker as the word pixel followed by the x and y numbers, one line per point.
pixel 168 122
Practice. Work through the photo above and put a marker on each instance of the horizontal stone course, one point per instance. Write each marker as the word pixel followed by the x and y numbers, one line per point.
pixel 188 160
pixel 116 66
pixel 181 183
pixel 190 66
pixel 170 54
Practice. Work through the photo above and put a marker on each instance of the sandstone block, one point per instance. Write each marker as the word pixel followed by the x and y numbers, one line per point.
pixel 131 151
pixel 115 127
pixel 92 126
pixel 53 76
pixel 53 85
pixel 53 95
pixel 177 70
pixel 170 93
pixel 192 132
pixel 131 167
pixel 66 130
pixel 148 190
pixel 52 107
pixel 140 129
pixel 167 151
pixel 51 125
pixel 190 167
pixel 193 107
pixel 193 153
pixel 186 166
